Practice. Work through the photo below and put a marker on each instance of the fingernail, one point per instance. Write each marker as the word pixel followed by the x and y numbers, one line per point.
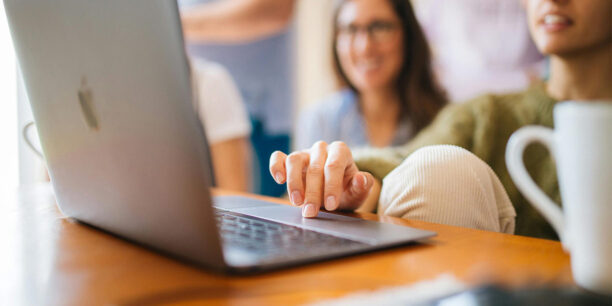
pixel 279 177
pixel 309 211
pixel 296 198
pixel 360 183
pixel 356 183
pixel 365 182
pixel 330 203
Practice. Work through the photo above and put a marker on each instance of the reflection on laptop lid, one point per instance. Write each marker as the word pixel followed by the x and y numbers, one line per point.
pixel 109 86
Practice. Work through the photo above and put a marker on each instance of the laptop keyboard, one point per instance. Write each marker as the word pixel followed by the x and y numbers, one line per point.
pixel 274 240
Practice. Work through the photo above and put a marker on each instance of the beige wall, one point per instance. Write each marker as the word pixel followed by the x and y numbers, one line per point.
pixel 313 59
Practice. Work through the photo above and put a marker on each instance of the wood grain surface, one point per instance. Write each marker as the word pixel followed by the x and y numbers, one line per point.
pixel 49 259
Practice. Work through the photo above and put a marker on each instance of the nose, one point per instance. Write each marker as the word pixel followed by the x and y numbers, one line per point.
pixel 363 42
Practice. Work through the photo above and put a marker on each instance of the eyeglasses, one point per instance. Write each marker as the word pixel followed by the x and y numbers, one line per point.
pixel 378 31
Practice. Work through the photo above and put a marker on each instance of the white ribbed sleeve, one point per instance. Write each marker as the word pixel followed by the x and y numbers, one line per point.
pixel 448 185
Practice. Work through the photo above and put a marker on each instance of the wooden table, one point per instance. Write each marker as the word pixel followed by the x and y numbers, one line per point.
pixel 49 259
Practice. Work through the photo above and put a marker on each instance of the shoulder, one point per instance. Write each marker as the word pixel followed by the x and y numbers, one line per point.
pixel 220 104
pixel 332 108
pixel 325 119
pixel 484 106
pixel 214 83
pixel 335 105
pixel 207 71
pixel 481 115
pixel 531 106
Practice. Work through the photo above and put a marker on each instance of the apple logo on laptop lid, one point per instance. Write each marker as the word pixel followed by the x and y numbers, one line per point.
pixel 87 105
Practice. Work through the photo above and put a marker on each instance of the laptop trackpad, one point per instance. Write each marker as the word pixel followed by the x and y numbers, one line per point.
pixel 373 233
pixel 239 204
pixel 327 223
pixel 234 202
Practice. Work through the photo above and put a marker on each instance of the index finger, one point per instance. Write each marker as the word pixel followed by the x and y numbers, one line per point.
pixel 315 180
pixel 338 157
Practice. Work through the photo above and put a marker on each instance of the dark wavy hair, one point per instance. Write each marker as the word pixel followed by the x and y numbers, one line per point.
pixel 421 96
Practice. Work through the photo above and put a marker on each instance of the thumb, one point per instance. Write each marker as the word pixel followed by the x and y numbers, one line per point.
pixel 358 190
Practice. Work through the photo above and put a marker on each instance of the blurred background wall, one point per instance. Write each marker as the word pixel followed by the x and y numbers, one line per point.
pixel 313 55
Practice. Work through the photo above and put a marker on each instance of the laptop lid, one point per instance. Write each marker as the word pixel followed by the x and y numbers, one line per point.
pixel 109 86
pixel 108 83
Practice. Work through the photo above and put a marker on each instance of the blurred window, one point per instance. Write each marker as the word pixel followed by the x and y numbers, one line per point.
pixel 8 109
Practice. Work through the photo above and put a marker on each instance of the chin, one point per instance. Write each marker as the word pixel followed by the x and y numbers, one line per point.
pixel 374 83
pixel 563 50
pixel 365 87
pixel 554 47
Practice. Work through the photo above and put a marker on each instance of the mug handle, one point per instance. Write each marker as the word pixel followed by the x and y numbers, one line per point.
pixel 26 138
pixel 514 160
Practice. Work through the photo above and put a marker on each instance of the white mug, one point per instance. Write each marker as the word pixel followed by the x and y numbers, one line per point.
pixel 581 145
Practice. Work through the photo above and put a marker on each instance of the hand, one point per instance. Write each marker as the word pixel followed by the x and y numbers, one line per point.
pixel 325 175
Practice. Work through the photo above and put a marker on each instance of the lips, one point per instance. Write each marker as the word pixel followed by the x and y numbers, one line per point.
pixel 554 22
pixel 368 65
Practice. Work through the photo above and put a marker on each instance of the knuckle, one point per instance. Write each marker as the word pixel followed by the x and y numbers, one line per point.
pixel 275 157
pixel 334 164
pixel 345 151
pixel 332 187
pixel 294 158
pixel 337 144
pixel 313 196
pixel 319 145
pixel 293 185
pixel 341 148
pixel 294 182
pixel 315 169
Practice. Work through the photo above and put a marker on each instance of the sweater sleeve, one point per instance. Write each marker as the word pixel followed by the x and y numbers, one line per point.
pixel 455 125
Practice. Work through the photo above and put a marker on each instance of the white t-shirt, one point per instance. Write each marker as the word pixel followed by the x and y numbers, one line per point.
pixel 220 105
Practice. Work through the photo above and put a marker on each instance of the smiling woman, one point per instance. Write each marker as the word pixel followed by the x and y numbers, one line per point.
pixel 383 64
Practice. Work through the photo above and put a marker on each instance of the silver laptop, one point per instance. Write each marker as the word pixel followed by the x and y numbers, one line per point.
pixel 109 86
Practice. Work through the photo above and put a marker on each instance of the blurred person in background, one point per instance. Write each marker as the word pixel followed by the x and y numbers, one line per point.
pixel 382 62
pixel 226 124
pixel 480 46
pixel 454 171
pixel 252 39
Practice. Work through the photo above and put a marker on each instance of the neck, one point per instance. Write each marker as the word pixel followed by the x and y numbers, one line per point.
pixel 584 76
pixel 380 105
pixel 381 111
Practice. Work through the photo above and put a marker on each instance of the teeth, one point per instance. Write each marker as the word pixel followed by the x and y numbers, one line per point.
pixel 554 19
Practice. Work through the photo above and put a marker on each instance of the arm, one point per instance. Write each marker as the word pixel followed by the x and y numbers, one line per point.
pixel 329 170
pixel 232 164
pixel 236 20
pixel 454 125
pixel 227 125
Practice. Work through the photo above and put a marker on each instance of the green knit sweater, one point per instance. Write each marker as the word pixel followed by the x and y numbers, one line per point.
pixel 483 126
